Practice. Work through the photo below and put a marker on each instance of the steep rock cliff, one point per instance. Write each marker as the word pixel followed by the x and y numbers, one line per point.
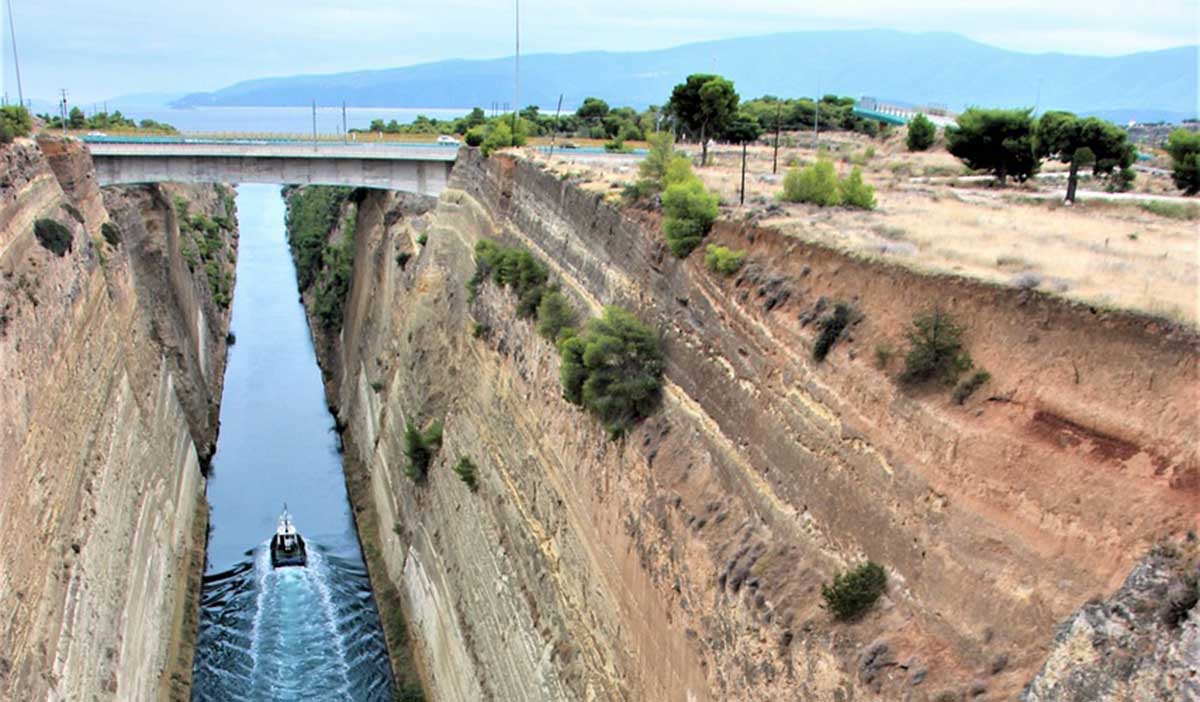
pixel 112 354
pixel 685 561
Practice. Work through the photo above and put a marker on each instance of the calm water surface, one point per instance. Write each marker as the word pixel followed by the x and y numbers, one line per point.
pixel 295 633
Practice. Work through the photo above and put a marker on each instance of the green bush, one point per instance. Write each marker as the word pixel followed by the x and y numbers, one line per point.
pixel 478 330
pixel 852 593
pixel 816 184
pixel 613 368
pixel 1184 147
pixel 831 327
pixel 720 259
pixel 689 210
pixel 419 447
pixel 968 387
pixel 15 121
pixel 554 314
pixel 422 239
pixel 466 472
pixel 856 193
pixel 500 136
pixel 660 159
pixel 53 236
pixel 111 233
pixel 475 135
pixel 935 350
pixel 921 133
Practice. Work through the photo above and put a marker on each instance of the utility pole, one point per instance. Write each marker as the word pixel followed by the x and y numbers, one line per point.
pixel 517 74
pixel 12 34
pixel 817 118
pixel 314 115
pixel 62 109
pixel 554 132
pixel 743 198
pixel 345 132
pixel 775 156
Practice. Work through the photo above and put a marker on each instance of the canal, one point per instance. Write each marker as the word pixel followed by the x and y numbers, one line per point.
pixel 309 633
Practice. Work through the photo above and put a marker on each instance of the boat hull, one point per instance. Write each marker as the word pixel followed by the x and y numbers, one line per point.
pixel 282 558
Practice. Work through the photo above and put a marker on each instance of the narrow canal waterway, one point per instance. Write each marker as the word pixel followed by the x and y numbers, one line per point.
pixel 307 633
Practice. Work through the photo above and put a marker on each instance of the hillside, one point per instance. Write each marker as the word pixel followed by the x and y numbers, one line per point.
pixel 917 68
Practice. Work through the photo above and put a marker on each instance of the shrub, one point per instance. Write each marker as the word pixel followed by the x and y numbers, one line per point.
pixel 15 121
pixel 475 135
pixel 1184 148
pixel 883 355
pixel 466 471
pixel 688 213
pixel 53 236
pixel 419 448
pixel 968 387
pixel 831 327
pixel 856 193
pixel 660 159
pixel 73 211
pixel 935 350
pixel 402 259
pixel 111 233
pixel 921 133
pixel 720 259
pixel 613 368
pixel 422 239
pixel 816 184
pixel 852 593
pixel 554 314
pixel 479 331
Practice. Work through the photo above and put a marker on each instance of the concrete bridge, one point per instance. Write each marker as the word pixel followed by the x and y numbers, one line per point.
pixel 422 168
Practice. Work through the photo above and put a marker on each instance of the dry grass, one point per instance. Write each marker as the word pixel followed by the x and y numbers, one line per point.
pixel 1111 254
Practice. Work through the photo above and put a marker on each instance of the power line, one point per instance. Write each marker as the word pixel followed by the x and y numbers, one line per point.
pixel 12 33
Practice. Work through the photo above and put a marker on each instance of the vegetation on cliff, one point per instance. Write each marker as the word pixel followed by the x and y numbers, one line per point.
pixel 613 368
pixel 419 447
pixel 723 260
pixel 831 326
pixel 202 240
pixel 1184 149
pixel 935 350
pixel 14 122
pixel 853 592
pixel 53 235
pixel 327 268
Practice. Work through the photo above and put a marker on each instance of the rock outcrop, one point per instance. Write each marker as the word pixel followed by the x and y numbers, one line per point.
pixel 685 561
pixel 112 354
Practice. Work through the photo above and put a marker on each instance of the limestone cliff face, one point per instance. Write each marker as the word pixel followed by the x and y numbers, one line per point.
pixel 111 362
pixel 685 561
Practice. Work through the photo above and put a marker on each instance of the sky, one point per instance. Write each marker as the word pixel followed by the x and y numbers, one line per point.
pixel 100 50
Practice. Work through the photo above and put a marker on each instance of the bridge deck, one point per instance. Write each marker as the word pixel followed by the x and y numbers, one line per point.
pixel 250 149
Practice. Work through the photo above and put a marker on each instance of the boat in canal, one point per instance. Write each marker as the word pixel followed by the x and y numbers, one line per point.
pixel 287 546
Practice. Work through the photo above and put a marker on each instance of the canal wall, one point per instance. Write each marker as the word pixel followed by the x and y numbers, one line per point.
pixel 112 351
pixel 685 561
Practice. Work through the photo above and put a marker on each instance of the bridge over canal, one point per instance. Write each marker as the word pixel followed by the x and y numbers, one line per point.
pixel 417 168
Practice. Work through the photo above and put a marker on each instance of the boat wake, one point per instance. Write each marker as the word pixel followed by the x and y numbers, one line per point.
pixel 290 634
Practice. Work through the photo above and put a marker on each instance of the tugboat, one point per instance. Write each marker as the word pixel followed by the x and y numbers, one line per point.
pixel 287 547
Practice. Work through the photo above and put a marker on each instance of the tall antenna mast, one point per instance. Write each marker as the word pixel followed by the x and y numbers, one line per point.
pixel 517 75
pixel 12 33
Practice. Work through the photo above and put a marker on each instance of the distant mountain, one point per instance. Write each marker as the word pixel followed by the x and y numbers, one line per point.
pixel 890 65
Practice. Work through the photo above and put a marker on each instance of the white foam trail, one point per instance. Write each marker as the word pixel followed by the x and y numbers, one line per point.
pixel 317 573
pixel 262 571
